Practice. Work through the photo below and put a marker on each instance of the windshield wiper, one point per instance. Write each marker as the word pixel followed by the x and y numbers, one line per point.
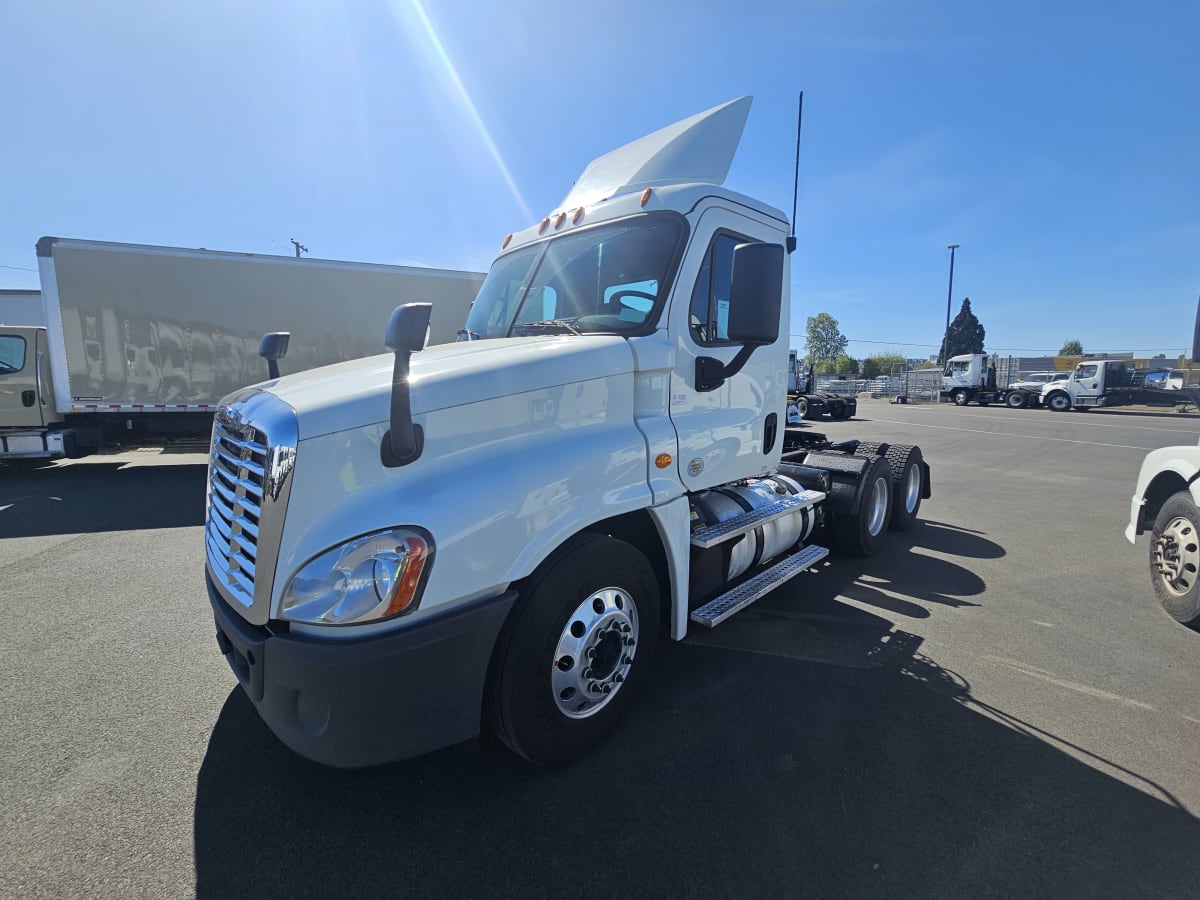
pixel 468 334
pixel 559 324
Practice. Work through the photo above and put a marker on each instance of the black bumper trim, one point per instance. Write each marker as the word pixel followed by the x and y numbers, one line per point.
pixel 367 701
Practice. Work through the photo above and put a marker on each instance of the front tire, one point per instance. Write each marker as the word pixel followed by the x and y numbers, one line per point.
pixel 575 648
pixel 1175 559
pixel 1059 402
pixel 961 398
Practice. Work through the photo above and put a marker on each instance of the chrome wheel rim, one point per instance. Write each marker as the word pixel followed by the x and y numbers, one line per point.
pixel 912 488
pixel 1177 555
pixel 877 508
pixel 594 653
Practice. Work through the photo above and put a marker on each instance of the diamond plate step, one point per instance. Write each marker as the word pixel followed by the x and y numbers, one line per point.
pixel 711 535
pixel 716 611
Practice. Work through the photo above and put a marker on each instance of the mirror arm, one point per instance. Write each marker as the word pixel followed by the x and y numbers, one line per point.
pixel 404 440
pixel 711 373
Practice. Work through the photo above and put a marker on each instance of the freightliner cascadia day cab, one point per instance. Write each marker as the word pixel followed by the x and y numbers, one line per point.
pixel 137 342
pixel 498 531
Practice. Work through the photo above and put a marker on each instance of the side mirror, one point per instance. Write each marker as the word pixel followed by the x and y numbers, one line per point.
pixel 755 293
pixel 755 301
pixel 406 330
pixel 273 347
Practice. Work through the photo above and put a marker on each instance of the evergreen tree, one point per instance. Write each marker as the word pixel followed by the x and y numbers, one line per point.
pixel 965 336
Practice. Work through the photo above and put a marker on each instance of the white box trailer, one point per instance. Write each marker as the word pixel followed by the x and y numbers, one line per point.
pixel 142 341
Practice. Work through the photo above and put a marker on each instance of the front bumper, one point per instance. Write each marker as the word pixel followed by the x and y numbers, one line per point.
pixel 361 702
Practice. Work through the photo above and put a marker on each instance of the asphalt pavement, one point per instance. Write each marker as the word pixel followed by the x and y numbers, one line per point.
pixel 992 706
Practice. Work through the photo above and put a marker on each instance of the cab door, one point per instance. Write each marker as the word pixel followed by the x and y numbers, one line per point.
pixel 22 399
pixel 1089 382
pixel 735 430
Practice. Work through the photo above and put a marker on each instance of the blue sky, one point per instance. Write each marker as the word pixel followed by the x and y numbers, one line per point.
pixel 1057 142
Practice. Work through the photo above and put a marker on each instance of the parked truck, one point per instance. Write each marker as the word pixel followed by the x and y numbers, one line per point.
pixel 1166 502
pixel 971 378
pixel 810 403
pixel 1117 382
pixel 402 548
pixel 139 342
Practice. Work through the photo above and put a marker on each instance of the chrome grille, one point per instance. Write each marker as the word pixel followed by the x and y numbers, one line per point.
pixel 237 474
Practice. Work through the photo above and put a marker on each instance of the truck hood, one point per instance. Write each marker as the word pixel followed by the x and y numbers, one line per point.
pixel 357 393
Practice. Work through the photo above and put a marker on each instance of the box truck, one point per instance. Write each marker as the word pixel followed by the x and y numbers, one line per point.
pixel 141 342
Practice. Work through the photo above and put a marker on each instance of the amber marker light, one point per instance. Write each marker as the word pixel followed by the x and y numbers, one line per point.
pixel 415 553
pixel 545 222
pixel 559 219
pixel 507 239
pixel 662 460
pixel 577 215
pixel 646 196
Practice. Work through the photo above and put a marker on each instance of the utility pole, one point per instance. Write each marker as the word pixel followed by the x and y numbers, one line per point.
pixel 300 247
pixel 949 293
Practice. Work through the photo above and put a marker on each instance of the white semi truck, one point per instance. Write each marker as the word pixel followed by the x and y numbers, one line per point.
pixel 496 532
pixel 138 342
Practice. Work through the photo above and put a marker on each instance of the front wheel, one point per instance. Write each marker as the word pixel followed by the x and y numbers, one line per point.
pixel 576 645
pixel 1059 402
pixel 961 398
pixel 1175 559
pixel 1017 400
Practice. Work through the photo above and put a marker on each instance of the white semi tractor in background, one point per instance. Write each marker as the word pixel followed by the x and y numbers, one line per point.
pixel 401 548
pixel 134 343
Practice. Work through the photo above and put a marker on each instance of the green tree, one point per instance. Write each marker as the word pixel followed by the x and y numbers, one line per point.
pixel 1071 348
pixel 965 336
pixel 882 364
pixel 845 365
pixel 825 367
pixel 825 340
pixel 1155 356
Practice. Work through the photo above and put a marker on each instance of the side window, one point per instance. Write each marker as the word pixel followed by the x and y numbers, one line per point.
pixel 12 354
pixel 710 300
pixel 960 367
pixel 1087 371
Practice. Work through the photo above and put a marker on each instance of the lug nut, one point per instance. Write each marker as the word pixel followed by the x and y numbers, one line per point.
pixel 607 688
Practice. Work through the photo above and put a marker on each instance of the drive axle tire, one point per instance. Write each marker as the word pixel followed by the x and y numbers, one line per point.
pixel 1017 400
pixel 1175 559
pixel 574 649
pixel 860 531
pixel 802 405
pixel 906 463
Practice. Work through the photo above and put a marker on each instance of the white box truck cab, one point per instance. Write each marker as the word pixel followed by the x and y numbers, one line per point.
pixel 496 532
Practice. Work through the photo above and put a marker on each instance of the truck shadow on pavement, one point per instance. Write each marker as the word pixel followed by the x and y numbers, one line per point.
pixel 100 496
pixel 863 770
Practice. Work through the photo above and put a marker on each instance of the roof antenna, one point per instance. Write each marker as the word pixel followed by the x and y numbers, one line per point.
pixel 791 241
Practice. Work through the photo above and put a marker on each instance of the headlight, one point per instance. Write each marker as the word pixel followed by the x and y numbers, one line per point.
pixel 372 577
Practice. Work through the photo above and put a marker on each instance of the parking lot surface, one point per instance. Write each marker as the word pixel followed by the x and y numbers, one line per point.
pixel 992 706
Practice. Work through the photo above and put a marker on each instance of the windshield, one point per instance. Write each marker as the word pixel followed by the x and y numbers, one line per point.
pixel 611 279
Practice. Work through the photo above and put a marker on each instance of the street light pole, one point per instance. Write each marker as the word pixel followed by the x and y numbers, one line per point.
pixel 949 294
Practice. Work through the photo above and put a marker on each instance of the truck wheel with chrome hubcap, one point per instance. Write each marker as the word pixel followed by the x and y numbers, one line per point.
pixel 576 644
pixel 1175 558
